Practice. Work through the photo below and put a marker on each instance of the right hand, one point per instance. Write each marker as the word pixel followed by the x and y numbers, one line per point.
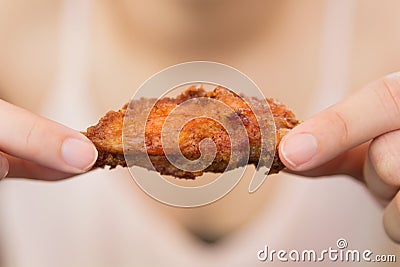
pixel 360 137
pixel 35 147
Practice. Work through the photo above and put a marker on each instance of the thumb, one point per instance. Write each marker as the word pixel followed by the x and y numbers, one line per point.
pixel 370 112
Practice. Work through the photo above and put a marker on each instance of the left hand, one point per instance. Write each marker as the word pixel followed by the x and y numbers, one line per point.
pixel 359 136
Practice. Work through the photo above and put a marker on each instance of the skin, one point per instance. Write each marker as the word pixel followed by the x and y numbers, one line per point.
pixel 27 155
pixel 358 136
pixel 370 144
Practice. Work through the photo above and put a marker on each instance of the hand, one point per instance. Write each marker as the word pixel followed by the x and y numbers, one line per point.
pixel 34 147
pixel 359 136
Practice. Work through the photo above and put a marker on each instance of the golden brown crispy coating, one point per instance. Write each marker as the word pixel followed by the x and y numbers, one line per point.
pixel 107 134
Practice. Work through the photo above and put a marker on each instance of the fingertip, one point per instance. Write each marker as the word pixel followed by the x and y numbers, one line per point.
pixel 376 184
pixel 4 167
pixel 391 219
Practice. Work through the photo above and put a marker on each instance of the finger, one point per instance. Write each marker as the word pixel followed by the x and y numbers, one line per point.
pixel 382 167
pixel 20 168
pixel 47 143
pixel 350 163
pixel 4 167
pixel 368 113
pixel 391 219
pixel 375 183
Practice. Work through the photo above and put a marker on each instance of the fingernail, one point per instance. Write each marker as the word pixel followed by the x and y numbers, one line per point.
pixel 299 149
pixel 4 167
pixel 394 75
pixel 78 154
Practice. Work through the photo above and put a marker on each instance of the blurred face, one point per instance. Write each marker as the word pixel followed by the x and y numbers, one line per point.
pixel 195 22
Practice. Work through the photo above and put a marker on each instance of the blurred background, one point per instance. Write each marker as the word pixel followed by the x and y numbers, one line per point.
pixel 73 60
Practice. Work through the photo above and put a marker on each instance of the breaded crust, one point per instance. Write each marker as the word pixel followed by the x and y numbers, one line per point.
pixel 107 134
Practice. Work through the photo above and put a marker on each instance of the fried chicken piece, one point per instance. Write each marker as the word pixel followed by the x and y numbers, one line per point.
pixel 107 134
